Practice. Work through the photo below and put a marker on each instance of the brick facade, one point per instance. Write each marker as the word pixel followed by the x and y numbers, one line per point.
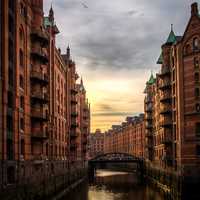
pixel 38 121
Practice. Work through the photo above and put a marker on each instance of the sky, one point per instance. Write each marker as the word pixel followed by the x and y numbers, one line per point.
pixel 115 44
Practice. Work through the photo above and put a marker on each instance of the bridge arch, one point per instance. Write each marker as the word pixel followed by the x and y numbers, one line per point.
pixel 114 158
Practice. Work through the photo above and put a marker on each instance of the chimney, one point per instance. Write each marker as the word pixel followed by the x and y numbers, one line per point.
pixel 194 9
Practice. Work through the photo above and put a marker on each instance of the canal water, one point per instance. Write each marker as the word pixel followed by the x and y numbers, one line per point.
pixel 110 185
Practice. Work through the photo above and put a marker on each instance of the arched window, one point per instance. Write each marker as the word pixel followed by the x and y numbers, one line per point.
pixel 196 77
pixel 195 43
pixel 196 62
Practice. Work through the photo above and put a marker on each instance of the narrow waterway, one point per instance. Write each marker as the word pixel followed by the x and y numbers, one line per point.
pixel 109 185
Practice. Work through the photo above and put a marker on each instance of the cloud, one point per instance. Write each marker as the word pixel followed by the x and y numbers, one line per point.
pixel 116 42
pixel 114 114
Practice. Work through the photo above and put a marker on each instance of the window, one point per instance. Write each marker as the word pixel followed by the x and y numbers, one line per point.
pixel 21 82
pixel 22 123
pixel 198 150
pixel 196 62
pixel 198 107
pixel 22 147
pixel 196 77
pixel 197 129
pixel 197 92
pixel 10 99
pixel 195 44
pixel 21 58
pixel 22 102
pixel 9 149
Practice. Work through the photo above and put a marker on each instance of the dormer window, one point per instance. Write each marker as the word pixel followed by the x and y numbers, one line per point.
pixel 195 44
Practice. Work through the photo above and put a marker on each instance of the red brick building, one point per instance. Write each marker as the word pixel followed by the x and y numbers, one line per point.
pixel 39 123
pixel 129 137
pixel 96 144
pixel 173 123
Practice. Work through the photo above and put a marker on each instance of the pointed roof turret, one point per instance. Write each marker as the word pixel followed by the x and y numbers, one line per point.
pixel 172 37
pixel 51 14
pixel 151 80
pixel 68 52
pixel 81 85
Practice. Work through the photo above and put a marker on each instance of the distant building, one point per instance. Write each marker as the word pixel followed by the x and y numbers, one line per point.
pixel 96 143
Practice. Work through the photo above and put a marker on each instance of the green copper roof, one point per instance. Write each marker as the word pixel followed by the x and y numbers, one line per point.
pixel 47 22
pixel 171 38
pixel 160 59
pixel 152 80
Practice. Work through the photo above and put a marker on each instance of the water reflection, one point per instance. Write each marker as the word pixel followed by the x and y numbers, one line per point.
pixel 109 185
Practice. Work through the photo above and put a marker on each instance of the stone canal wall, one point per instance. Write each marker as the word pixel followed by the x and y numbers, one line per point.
pixel 167 182
pixel 41 181
pixel 174 185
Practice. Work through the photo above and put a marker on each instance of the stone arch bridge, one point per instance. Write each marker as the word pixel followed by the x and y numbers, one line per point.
pixel 121 161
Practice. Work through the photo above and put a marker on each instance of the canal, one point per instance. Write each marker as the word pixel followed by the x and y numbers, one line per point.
pixel 110 185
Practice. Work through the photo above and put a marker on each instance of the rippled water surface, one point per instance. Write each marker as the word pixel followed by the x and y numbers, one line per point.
pixel 109 185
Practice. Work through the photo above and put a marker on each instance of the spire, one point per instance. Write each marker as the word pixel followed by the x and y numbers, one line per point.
pixel 171 38
pixel 51 14
pixel 171 27
pixel 81 81
pixel 82 86
pixel 68 52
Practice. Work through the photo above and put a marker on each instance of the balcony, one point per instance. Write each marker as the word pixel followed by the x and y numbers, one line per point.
pixel 166 97
pixel 165 71
pixel 39 135
pixel 74 91
pixel 74 125
pixel 74 114
pixel 39 96
pixel 39 35
pixel 37 114
pixel 149 125
pixel 149 117
pixel 148 99
pixel 165 85
pixel 38 54
pixel 39 77
pixel 73 100
pixel 149 109
pixel 165 110
pixel 167 122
